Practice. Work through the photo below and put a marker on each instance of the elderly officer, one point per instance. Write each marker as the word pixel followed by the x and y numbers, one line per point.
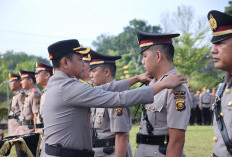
pixel 68 100
pixel 42 74
pixel 205 105
pixel 110 124
pixel 164 121
pixel 221 25
pixel 31 104
pixel 198 111
pixel 16 105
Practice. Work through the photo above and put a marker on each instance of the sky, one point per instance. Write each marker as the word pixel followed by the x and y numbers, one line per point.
pixel 30 26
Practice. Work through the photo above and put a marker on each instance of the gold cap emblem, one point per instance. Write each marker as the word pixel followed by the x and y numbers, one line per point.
pixel 213 22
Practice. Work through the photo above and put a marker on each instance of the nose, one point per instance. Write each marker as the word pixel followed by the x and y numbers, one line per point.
pixel 214 49
pixel 143 61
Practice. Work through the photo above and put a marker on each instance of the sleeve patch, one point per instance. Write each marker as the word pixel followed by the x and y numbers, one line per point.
pixel 179 92
pixel 179 97
pixel 118 111
pixel 180 105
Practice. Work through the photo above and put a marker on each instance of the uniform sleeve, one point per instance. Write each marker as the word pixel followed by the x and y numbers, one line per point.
pixel 178 108
pixel 36 103
pixel 116 86
pixel 120 119
pixel 81 95
pixel 21 100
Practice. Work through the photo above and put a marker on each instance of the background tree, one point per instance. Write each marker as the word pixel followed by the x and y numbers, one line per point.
pixel 228 10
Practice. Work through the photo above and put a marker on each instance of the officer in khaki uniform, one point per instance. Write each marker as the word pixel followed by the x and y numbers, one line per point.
pixel 31 104
pixel 221 25
pixel 193 107
pixel 42 74
pixel 68 100
pixel 16 105
pixel 205 105
pixel 163 122
pixel 198 111
pixel 111 125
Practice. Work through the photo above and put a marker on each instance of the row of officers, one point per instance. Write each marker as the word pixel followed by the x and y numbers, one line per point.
pixel 83 86
pixel 202 106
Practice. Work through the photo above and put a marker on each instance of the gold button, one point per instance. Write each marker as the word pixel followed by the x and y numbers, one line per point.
pixel 98 122
pixel 97 113
pixel 153 108
pixel 156 153
pixel 215 139
pixel 213 104
pixel 222 114
pixel 149 107
pixel 140 127
pixel 227 91
pixel 230 103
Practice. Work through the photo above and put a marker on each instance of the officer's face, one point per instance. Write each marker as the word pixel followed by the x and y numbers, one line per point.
pixel 42 78
pixel 75 66
pixel 149 62
pixel 222 55
pixel 14 85
pixel 85 71
pixel 97 76
pixel 25 83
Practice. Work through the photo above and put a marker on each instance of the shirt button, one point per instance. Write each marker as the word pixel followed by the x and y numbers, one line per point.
pixel 227 91
pixel 156 153
pixel 215 139
pixel 230 103
pixel 222 114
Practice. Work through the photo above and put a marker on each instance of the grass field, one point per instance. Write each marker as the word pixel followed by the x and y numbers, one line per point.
pixel 198 141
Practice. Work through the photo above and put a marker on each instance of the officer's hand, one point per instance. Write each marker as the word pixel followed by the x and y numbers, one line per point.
pixel 144 78
pixel 173 80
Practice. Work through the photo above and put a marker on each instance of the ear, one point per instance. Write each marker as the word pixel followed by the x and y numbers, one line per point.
pixel 107 72
pixel 64 62
pixel 158 56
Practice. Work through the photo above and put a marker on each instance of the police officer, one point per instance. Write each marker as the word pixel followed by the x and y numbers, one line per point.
pixel 205 105
pixel 198 111
pixel 193 107
pixel 221 25
pixel 86 70
pixel 30 109
pixel 16 105
pixel 42 74
pixel 111 125
pixel 164 121
pixel 68 100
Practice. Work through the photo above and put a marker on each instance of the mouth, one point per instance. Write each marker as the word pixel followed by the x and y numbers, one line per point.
pixel 215 59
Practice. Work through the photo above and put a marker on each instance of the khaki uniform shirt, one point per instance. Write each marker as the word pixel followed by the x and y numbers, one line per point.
pixel 67 108
pixel 30 107
pixel 108 121
pixel 170 109
pixel 205 100
pixel 16 108
pixel 219 147
pixel 197 98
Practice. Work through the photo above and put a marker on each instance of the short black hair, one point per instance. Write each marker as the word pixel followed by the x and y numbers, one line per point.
pixel 111 67
pixel 56 62
pixel 33 78
pixel 166 49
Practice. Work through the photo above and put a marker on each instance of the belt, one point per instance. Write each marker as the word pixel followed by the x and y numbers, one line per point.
pixel 41 125
pixel 27 122
pixel 58 150
pixel 104 142
pixel 152 139
pixel 13 117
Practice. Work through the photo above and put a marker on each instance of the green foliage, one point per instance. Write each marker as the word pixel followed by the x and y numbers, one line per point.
pixel 188 57
pixel 3 112
pixel 228 10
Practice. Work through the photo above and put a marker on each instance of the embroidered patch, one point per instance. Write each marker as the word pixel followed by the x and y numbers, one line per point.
pixel 118 111
pixel 180 105
pixel 179 92
pixel 179 97
pixel 37 99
